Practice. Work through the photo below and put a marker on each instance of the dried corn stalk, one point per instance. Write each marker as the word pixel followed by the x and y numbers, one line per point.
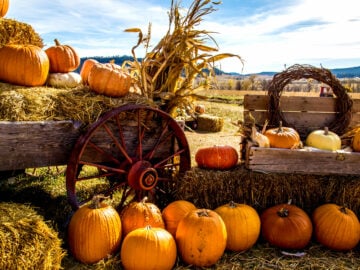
pixel 169 70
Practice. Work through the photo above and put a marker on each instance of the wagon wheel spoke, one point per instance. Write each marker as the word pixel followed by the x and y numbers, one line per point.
pixel 130 152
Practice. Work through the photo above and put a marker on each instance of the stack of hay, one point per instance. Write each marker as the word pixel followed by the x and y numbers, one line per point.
pixel 26 240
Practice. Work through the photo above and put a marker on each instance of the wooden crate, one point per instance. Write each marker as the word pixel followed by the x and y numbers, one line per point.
pixel 306 113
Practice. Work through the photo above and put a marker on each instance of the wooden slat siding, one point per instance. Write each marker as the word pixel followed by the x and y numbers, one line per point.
pixel 303 162
pixel 36 144
pixel 305 113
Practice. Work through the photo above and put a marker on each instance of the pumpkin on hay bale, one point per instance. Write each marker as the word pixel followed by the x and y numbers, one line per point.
pixel 27 240
pixel 211 188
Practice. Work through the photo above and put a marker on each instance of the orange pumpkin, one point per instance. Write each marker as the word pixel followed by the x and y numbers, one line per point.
pixel 201 237
pixel 336 227
pixel 85 69
pixel 63 58
pixel 242 225
pixel 174 212
pixel 139 215
pixel 286 226
pixel 109 80
pixel 283 137
pixel 356 142
pixel 4 7
pixel 221 157
pixel 94 232
pixel 155 246
pixel 26 65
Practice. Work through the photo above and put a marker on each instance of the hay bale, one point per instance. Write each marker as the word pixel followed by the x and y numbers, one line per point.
pixel 26 241
pixel 212 188
pixel 210 123
pixel 15 32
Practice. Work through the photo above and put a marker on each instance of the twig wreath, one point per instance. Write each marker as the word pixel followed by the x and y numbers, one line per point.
pixel 344 102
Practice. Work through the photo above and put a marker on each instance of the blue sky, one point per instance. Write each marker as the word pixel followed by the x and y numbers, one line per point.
pixel 267 34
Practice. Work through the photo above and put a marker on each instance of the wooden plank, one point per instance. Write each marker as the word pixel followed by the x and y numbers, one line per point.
pixel 36 144
pixel 301 161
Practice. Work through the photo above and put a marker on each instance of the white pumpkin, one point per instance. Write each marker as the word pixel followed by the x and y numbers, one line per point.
pixel 324 140
pixel 64 80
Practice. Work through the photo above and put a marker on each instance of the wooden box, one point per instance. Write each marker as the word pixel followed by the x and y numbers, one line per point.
pixel 306 113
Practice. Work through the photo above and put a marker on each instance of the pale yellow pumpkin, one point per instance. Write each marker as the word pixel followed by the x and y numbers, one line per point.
pixel 324 140
pixel 64 80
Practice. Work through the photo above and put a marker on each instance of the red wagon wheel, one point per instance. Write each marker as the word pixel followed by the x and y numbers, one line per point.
pixel 130 152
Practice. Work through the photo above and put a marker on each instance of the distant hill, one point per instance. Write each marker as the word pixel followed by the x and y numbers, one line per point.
pixel 350 72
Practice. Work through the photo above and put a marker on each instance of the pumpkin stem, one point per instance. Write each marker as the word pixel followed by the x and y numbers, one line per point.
pixel 232 204
pixel 57 43
pixel 145 199
pixel 280 129
pixel 343 210
pixel 202 213
pixel 326 130
pixel 283 212
pixel 96 200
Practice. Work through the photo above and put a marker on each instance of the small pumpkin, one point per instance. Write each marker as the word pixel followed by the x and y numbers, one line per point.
pixel 356 142
pixel 221 157
pixel 85 69
pixel 64 80
pixel 336 227
pixel 200 108
pixel 283 137
pixel 156 246
pixel 242 225
pixel 94 231
pixel 260 139
pixel 174 212
pixel 26 65
pixel 286 226
pixel 201 237
pixel 140 214
pixel 109 79
pixel 324 140
pixel 4 7
pixel 63 58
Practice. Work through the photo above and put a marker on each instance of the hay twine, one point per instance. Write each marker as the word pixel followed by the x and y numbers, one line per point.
pixel 343 101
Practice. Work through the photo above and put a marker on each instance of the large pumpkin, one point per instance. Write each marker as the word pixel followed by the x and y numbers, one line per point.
pixel 94 232
pixel 286 226
pixel 336 227
pixel 242 225
pixel 174 212
pixel 201 237
pixel 221 157
pixel 109 79
pixel 139 215
pixel 26 65
pixel 324 140
pixel 85 69
pixel 4 7
pixel 148 248
pixel 283 137
pixel 63 58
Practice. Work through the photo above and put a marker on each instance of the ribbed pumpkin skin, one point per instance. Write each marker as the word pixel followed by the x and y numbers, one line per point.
pixel 336 227
pixel 283 137
pixel 63 58
pixel 242 225
pixel 201 237
pixel 221 157
pixel 141 214
pixel 85 69
pixel 4 7
pixel 174 212
pixel 293 231
pixel 25 65
pixel 94 233
pixel 109 80
pixel 148 248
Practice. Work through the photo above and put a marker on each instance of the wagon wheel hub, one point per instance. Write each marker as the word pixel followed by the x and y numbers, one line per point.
pixel 142 176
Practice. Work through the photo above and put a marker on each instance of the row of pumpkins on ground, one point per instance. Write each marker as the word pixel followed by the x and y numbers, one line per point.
pixel 30 65
pixel 148 238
